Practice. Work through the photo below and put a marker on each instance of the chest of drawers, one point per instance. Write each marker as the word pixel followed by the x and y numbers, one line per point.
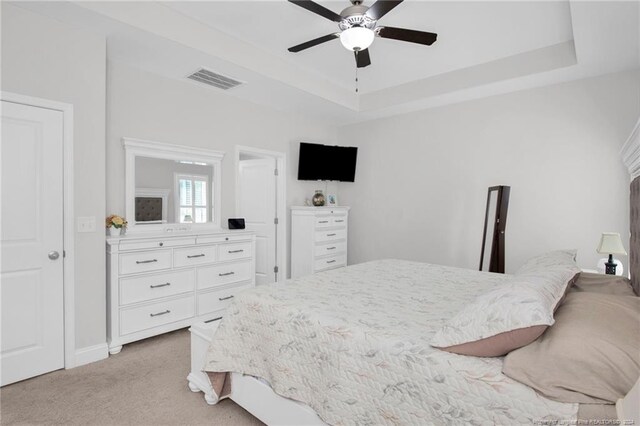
pixel 157 284
pixel 318 239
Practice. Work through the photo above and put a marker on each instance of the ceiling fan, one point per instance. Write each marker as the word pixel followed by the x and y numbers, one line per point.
pixel 359 26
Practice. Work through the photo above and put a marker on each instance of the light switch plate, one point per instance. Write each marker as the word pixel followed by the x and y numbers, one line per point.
pixel 87 224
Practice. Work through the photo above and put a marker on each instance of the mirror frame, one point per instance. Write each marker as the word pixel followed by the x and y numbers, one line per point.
pixel 495 243
pixel 141 148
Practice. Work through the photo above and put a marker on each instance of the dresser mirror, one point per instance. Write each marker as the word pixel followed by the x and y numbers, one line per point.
pixel 171 187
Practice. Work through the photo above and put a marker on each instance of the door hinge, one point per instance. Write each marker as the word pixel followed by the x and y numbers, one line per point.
pixel 275 269
pixel 275 221
pixel 64 253
pixel 275 172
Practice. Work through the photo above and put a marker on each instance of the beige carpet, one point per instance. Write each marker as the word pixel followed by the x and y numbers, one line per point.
pixel 144 384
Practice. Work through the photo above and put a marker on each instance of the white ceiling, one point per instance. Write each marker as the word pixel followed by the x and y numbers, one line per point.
pixel 469 33
pixel 483 48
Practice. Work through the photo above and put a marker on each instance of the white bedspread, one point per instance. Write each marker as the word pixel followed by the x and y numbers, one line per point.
pixel 353 344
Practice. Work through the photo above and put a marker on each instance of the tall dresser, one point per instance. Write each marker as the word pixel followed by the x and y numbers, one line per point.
pixel 318 239
pixel 160 283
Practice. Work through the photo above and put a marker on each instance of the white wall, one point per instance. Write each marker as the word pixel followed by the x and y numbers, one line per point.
pixel 422 178
pixel 44 58
pixel 147 106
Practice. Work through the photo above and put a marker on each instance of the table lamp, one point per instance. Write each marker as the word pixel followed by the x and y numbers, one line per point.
pixel 611 244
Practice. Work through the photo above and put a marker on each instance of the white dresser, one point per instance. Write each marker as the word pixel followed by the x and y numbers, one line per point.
pixel 160 283
pixel 318 239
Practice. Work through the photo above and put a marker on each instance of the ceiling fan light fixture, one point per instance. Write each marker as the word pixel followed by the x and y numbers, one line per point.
pixel 357 38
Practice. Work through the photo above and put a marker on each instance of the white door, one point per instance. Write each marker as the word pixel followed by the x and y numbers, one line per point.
pixel 31 276
pixel 257 204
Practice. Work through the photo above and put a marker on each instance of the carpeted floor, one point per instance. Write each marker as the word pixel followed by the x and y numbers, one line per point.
pixel 145 384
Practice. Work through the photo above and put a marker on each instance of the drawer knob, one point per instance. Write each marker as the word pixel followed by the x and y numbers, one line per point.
pixel 160 313
pixel 331 235
pixel 331 261
pixel 331 248
pixel 234 251
pixel 146 261
pixel 226 238
pixel 225 298
pixel 160 285
pixel 160 244
pixel 226 274
pixel 195 255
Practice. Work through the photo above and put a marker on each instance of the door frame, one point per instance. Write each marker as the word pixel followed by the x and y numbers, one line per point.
pixel 281 200
pixel 68 239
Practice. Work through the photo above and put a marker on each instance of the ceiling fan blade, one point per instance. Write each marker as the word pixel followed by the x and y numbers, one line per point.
pixel 362 58
pixel 314 42
pixel 381 8
pixel 413 36
pixel 317 9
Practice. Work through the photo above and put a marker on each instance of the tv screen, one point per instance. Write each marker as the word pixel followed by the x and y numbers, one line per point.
pixel 323 162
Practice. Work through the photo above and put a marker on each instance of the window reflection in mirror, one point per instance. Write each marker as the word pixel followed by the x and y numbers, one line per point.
pixel 170 191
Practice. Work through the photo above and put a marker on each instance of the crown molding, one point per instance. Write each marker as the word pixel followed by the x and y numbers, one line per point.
pixel 631 152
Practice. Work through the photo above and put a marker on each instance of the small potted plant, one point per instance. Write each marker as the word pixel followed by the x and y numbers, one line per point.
pixel 115 224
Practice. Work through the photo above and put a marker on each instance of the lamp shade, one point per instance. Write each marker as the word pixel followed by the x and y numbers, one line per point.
pixel 357 38
pixel 611 243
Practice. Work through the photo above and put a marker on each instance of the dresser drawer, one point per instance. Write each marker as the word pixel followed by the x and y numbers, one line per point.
pixel 156 314
pixel 145 261
pixel 331 248
pixel 323 222
pixel 149 287
pixel 339 220
pixel 330 262
pixel 218 300
pixel 211 276
pixel 170 242
pixel 234 251
pixel 194 256
pixel 210 239
pixel 331 235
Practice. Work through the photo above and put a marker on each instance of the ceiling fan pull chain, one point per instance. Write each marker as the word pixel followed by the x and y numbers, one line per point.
pixel 356 71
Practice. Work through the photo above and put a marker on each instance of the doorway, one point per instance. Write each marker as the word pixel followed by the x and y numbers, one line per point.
pixel 261 201
pixel 36 229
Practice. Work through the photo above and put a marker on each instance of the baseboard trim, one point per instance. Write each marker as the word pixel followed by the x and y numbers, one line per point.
pixel 91 354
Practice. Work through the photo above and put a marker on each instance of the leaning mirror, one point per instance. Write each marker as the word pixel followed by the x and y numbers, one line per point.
pixel 495 223
pixel 171 187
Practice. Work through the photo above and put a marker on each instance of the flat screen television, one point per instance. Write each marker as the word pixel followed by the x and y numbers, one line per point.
pixel 325 162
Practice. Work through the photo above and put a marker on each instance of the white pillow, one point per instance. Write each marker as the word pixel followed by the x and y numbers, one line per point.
pixel 549 260
pixel 527 300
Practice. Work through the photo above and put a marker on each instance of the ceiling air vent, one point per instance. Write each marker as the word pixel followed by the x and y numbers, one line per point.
pixel 212 79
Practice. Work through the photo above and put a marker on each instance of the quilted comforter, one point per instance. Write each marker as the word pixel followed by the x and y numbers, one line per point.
pixel 353 344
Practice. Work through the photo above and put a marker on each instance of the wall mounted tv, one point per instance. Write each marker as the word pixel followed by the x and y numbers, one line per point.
pixel 325 162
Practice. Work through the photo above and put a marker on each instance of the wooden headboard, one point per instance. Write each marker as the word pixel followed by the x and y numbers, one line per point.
pixel 634 244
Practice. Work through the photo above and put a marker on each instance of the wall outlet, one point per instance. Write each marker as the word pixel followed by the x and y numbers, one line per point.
pixel 87 224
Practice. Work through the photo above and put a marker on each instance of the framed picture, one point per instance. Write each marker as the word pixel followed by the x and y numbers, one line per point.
pixel 332 200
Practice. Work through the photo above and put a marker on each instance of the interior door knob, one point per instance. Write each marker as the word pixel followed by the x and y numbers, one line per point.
pixel 53 255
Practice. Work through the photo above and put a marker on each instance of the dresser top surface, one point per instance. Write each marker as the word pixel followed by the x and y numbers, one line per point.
pixel 318 209
pixel 144 236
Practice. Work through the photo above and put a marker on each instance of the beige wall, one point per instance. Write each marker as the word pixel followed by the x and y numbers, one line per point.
pixel 147 106
pixel 422 178
pixel 44 58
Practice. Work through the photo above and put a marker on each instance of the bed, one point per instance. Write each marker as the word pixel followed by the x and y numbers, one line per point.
pixel 359 349
pixel 352 346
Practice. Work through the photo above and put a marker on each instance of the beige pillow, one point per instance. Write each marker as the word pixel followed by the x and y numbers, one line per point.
pixel 600 283
pixel 590 355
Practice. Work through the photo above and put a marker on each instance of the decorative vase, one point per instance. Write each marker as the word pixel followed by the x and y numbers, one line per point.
pixel 318 198
pixel 114 232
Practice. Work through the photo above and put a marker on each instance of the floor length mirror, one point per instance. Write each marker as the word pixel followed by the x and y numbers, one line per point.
pixel 495 224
